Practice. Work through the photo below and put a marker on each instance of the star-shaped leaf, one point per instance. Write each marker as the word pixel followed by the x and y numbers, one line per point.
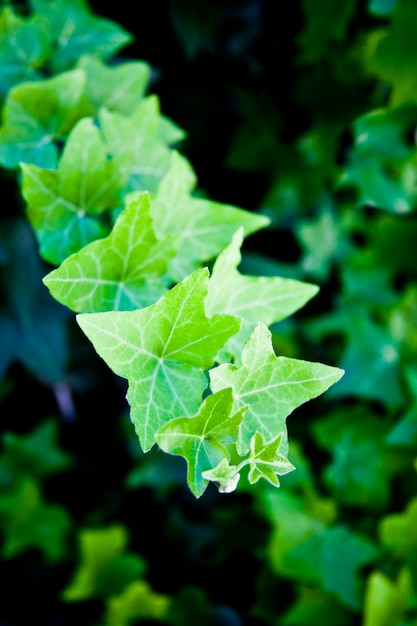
pixel 105 567
pixel 118 88
pixel 77 31
pixel 124 271
pixel 271 386
pixel 25 45
pixel 224 475
pixel 36 453
pixel 204 227
pixel 253 298
pixel 36 114
pixel 265 460
pixel 163 351
pixel 202 440
pixel 64 205
pixel 29 522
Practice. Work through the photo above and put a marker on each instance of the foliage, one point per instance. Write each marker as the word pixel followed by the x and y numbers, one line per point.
pixel 205 313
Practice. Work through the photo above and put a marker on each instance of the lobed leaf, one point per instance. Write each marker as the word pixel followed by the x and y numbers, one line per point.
pixel 64 205
pixel 124 271
pixel 163 351
pixel 271 386
pixel 202 440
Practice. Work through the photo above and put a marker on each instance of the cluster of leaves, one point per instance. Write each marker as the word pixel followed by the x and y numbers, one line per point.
pixel 179 298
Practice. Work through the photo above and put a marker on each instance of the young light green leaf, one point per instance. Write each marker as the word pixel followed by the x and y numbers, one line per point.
pixel 69 200
pixel 25 45
pixel 136 603
pixel 119 88
pixel 105 567
pixel 253 298
pixel 135 144
pixel 202 440
pixel 163 351
pixel 77 31
pixel 224 476
pixel 124 271
pixel 37 114
pixel 204 227
pixel 271 386
pixel 265 460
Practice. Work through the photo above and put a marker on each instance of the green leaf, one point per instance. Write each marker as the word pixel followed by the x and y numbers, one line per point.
pixel 77 31
pixel 124 271
pixel 386 601
pixel 105 568
pixel 136 145
pixel 253 298
pixel 163 351
pixel 395 58
pixel 203 226
pixel 266 462
pixel 25 45
pixel 224 476
pixel 271 386
pixel 28 522
pixel 202 440
pixel 71 199
pixel 382 163
pixel 399 532
pixel 333 559
pixel 137 602
pixel 36 453
pixel 118 88
pixel 37 114
pixel 359 472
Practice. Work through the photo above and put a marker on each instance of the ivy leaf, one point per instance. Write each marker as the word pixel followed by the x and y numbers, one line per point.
pixel 38 114
pixel 224 476
pixel 253 298
pixel 163 351
pixel 137 602
pixel 105 568
pixel 381 165
pixel 265 461
pixel 271 386
pixel 119 88
pixel 136 145
pixel 25 45
pixel 124 271
pixel 70 200
pixel 396 55
pixel 204 227
pixel 202 440
pixel 36 453
pixel 77 31
pixel 28 522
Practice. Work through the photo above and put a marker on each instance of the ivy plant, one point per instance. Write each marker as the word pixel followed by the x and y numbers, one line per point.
pixel 146 260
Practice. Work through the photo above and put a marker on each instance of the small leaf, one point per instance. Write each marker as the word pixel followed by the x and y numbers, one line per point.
pixel 265 461
pixel 163 351
pixel 271 386
pixel 36 453
pixel 224 476
pixel 202 440
pixel 124 271
pixel 136 603
pixel 105 568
